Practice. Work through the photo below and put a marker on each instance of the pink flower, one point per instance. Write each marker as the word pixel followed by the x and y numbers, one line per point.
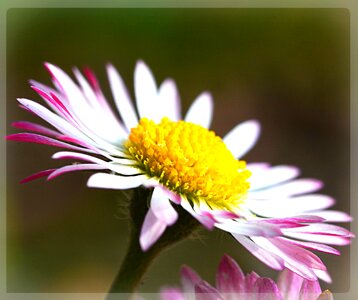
pixel 232 284
pixel 274 215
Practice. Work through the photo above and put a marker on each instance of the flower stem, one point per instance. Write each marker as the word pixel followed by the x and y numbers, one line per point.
pixel 136 262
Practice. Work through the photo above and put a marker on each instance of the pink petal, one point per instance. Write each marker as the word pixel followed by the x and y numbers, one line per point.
pixel 242 138
pixel 201 110
pixel 229 277
pixel 250 229
pixel 266 288
pixel 323 229
pixel 250 282
pixel 204 218
pixel 310 290
pixel 189 278
pixel 204 291
pixel 161 207
pixel 270 259
pixel 171 294
pixel 313 246
pixel 152 230
pixel 295 258
pixel 289 283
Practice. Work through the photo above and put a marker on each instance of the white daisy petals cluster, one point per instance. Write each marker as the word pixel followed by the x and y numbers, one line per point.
pixel 276 216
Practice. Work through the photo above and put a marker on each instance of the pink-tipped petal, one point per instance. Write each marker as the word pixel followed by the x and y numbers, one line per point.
pixel 229 277
pixel 109 181
pixel 40 139
pixel 145 90
pixel 122 99
pixel 35 128
pixel 206 219
pixel 266 288
pixel 201 110
pixel 162 208
pixel 152 230
pixel 242 138
pixel 37 175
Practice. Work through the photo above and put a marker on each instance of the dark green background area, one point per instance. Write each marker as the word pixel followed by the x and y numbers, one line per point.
pixel 287 68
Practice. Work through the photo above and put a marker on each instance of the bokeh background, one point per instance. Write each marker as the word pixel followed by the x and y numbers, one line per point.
pixel 287 68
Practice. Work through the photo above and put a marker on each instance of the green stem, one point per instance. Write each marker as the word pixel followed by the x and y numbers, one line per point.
pixel 136 262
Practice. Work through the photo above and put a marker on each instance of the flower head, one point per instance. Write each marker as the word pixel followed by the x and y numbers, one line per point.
pixel 233 284
pixel 270 212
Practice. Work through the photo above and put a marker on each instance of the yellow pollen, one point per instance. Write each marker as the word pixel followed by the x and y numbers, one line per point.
pixel 190 160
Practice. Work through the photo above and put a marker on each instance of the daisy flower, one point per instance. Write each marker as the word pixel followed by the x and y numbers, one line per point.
pixel 233 284
pixel 266 208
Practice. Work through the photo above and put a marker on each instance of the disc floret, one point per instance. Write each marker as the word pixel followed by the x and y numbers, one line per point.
pixel 190 160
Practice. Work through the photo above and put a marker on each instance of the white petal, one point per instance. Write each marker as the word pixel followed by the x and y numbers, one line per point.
pixel 161 207
pixel 332 215
pixel 121 169
pixel 295 187
pixel 122 99
pixel 272 176
pixel 169 101
pixel 109 181
pixel 145 90
pixel 101 124
pixel 242 138
pixel 152 230
pixel 201 110
pixel 323 275
pixel 289 206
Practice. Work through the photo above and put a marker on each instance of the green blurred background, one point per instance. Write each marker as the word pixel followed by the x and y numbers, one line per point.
pixel 287 68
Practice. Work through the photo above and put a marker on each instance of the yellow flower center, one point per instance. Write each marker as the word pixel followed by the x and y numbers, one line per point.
pixel 190 160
